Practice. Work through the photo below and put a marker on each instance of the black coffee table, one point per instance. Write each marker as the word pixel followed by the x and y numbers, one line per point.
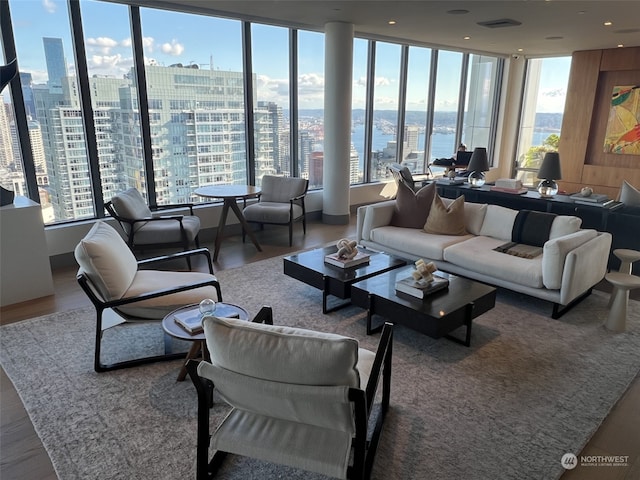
pixel 436 315
pixel 309 267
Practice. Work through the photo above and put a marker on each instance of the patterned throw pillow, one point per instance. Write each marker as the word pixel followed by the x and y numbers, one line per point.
pixel 412 209
pixel 629 195
pixel 446 221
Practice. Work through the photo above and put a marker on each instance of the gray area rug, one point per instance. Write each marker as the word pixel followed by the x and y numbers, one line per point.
pixel 528 390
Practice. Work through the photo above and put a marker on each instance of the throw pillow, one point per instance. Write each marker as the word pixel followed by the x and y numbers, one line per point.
pixel 629 195
pixel 412 209
pixel 446 221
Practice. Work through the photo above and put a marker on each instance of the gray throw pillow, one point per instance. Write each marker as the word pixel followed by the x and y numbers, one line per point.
pixel 412 209
pixel 629 195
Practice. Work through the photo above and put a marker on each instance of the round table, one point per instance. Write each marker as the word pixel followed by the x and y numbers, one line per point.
pixel 199 346
pixel 230 194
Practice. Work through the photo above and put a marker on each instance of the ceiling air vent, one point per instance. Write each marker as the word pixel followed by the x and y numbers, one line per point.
pixel 502 22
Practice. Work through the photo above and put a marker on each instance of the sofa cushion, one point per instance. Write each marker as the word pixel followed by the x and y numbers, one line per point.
pixel 443 220
pixel 415 243
pixel 498 222
pixel 411 208
pixel 107 260
pixel 629 195
pixel 286 354
pixel 474 216
pixel 477 255
pixel 564 225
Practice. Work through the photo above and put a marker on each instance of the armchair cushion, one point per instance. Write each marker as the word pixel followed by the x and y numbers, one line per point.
pixel 282 354
pixel 281 189
pixel 131 205
pixel 107 260
pixel 167 231
pixel 271 212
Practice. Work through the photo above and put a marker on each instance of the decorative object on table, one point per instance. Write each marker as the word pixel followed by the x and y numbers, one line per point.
pixel 586 191
pixel 549 172
pixel 508 185
pixel 591 198
pixel 207 307
pixel 478 164
pixel 347 255
pixel 422 281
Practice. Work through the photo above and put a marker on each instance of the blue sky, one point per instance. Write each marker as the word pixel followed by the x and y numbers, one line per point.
pixel 183 38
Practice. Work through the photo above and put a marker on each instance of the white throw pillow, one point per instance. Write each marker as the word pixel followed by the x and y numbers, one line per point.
pixel 498 222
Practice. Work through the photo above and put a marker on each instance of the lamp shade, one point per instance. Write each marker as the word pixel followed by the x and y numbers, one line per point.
pixel 550 167
pixel 479 161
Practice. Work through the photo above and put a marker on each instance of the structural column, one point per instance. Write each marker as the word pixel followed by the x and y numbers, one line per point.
pixel 338 77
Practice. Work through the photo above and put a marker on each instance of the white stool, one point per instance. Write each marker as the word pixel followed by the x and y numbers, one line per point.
pixel 622 283
pixel 627 257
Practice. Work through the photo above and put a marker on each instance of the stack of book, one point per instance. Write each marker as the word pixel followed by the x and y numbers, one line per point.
pixel 594 200
pixel 419 288
pixel 360 259
pixel 508 185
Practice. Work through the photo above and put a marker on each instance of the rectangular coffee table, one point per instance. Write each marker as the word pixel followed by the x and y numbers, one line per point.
pixel 309 267
pixel 436 315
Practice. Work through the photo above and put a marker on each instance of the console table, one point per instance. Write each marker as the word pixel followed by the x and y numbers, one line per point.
pixel 623 223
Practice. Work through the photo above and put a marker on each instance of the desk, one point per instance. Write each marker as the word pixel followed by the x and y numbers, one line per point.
pixel 230 194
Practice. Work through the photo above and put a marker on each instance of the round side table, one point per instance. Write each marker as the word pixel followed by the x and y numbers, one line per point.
pixel 626 257
pixel 199 346
pixel 622 283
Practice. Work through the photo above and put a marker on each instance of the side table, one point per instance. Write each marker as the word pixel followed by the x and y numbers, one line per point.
pixel 199 346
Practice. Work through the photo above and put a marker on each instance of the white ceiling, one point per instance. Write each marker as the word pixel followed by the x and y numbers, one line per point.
pixel 554 27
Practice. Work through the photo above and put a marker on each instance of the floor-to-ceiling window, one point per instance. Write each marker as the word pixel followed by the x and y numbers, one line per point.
pixel 542 109
pixel 169 109
pixel 311 106
pixel 386 85
pixel 270 56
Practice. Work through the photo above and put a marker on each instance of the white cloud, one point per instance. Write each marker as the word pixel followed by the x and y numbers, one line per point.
pixel 174 48
pixel 50 6
pixel 382 82
pixel 126 42
pixel 148 43
pixel 105 44
pixel 551 100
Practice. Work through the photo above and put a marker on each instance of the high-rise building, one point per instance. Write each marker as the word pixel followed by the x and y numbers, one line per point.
pixel 27 93
pixel 56 63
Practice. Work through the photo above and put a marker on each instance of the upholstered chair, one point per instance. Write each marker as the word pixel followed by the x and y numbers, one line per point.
pixel 299 398
pixel 281 202
pixel 121 291
pixel 152 229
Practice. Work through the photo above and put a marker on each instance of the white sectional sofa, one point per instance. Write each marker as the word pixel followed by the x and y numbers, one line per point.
pixel 572 262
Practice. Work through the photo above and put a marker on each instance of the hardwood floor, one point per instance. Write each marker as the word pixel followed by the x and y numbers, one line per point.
pixel 22 456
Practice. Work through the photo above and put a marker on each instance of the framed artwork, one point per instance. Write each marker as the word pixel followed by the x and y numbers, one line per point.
pixel 623 126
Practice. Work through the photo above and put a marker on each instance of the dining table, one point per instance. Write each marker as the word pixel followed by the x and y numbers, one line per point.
pixel 230 194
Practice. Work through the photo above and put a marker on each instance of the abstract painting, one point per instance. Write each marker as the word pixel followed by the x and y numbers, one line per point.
pixel 623 126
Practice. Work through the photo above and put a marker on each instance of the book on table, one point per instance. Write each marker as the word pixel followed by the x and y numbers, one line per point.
pixel 190 321
pixel 420 289
pixel 593 198
pixel 514 191
pixel 360 259
pixel 606 204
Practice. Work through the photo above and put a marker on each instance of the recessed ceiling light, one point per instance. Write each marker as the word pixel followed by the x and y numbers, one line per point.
pixel 466 37
pixel 458 11
pixel 620 45
pixel 608 24
pixel 392 22
pixel 521 49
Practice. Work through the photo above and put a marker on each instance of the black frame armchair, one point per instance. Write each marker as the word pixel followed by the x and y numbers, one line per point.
pixel 359 404
pixel 179 288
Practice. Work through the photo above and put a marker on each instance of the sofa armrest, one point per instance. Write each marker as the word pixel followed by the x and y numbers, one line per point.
pixel 555 252
pixel 373 216
pixel 585 266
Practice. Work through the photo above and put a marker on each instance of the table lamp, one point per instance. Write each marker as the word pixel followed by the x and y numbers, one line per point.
pixel 549 172
pixel 478 164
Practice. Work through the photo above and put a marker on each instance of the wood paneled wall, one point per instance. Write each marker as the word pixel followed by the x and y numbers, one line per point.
pixel 593 75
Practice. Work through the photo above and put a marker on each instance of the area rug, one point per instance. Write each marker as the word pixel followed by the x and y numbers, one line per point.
pixel 527 391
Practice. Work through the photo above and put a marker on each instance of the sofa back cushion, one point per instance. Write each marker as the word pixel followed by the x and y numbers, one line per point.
pixel 498 222
pixel 412 209
pixel 564 225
